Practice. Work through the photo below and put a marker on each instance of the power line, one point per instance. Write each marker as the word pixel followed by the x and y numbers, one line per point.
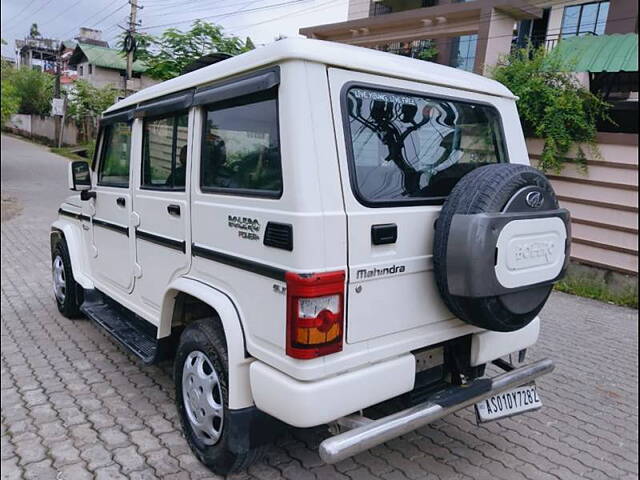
pixel 17 26
pixel 292 14
pixel 86 20
pixel 266 7
pixel 63 12
pixel 21 11
pixel 201 5
pixel 111 14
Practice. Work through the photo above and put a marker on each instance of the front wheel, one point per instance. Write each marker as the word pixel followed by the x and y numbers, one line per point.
pixel 202 397
pixel 65 289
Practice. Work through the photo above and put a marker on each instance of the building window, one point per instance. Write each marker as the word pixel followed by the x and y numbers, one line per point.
pixel 80 70
pixel 463 52
pixel 377 8
pixel 90 69
pixel 589 18
pixel 422 49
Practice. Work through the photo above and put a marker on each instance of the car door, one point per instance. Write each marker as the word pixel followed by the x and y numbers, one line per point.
pixel 161 204
pixel 112 254
pixel 402 146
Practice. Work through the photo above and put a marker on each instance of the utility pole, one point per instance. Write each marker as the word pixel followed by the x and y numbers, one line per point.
pixel 131 33
pixel 56 94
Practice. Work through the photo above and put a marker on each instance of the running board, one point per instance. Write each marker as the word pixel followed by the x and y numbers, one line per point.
pixel 133 332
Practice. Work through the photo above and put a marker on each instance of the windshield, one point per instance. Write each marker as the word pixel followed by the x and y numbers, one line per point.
pixel 409 148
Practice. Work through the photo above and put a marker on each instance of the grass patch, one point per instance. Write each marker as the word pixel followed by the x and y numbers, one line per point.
pixel 72 152
pixel 598 290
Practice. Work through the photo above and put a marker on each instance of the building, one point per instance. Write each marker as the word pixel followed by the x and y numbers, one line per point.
pixel 472 35
pixel 102 66
pixel 37 53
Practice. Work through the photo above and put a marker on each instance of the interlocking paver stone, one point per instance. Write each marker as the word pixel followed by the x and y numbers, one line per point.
pixel 75 405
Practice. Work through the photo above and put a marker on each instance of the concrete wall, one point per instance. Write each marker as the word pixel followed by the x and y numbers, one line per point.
pixel 603 202
pixel 43 128
pixel 623 17
pixel 358 9
pixel 101 77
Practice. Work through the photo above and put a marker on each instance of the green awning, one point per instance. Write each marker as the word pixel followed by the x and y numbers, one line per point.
pixel 598 53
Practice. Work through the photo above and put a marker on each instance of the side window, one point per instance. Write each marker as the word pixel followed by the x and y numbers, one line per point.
pixel 241 147
pixel 164 152
pixel 114 163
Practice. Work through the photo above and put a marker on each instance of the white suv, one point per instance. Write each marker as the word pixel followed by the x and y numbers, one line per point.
pixel 310 229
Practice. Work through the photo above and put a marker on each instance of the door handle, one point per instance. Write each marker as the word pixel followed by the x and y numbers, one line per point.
pixel 173 210
pixel 121 201
pixel 384 234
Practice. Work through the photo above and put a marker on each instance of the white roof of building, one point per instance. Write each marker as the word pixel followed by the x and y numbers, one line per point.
pixel 329 53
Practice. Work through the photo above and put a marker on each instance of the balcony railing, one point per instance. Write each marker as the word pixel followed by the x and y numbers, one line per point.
pixel 549 42
pixel 384 7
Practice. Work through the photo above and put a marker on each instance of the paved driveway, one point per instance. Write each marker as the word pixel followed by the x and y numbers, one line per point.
pixel 75 405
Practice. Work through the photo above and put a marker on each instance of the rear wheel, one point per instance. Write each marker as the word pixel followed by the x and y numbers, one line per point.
pixel 65 289
pixel 201 381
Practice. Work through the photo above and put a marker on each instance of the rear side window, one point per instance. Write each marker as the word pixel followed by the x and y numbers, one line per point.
pixel 405 148
pixel 114 164
pixel 241 147
pixel 164 152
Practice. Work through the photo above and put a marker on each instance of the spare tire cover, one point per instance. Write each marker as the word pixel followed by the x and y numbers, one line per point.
pixel 496 216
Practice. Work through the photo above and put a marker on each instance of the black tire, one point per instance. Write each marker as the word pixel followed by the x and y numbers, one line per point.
pixel 206 336
pixel 69 302
pixel 487 189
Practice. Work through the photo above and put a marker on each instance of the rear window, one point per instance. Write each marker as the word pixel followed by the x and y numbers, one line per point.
pixel 405 148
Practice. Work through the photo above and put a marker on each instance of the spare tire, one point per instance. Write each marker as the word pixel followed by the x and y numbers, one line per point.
pixel 501 241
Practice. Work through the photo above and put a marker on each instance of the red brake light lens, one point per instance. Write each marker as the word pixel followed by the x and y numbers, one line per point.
pixel 315 314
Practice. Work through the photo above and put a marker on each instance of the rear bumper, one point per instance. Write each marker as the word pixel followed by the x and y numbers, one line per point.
pixel 374 433
pixel 307 404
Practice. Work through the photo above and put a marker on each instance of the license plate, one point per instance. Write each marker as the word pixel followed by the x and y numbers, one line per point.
pixel 511 402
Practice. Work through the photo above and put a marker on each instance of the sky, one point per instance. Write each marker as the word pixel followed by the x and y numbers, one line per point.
pixel 262 20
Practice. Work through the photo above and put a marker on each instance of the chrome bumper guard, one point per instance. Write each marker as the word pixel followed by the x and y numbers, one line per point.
pixel 374 432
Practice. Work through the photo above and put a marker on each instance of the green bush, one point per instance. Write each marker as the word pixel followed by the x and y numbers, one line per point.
pixel 35 90
pixel 10 100
pixel 429 53
pixel 85 100
pixel 552 105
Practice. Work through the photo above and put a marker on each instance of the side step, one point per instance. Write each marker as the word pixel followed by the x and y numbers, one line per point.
pixel 125 326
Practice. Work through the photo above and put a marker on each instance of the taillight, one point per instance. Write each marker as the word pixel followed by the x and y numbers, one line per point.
pixel 315 314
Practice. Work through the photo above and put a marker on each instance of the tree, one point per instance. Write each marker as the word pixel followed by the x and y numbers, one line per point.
pixel 9 100
pixel 173 50
pixel 86 103
pixel 552 105
pixel 35 90
pixel 429 52
pixel 33 31
pixel 144 41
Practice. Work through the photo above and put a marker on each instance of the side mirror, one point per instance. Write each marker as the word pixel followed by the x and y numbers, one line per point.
pixel 79 176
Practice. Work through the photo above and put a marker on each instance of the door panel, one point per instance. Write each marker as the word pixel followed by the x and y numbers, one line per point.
pixel 160 201
pixel 396 170
pixel 112 257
